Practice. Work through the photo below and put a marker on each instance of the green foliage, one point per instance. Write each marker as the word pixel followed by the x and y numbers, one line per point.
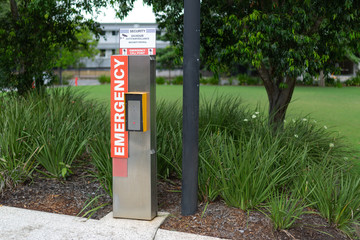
pixel 168 58
pixel 307 80
pixel 333 82
pixel 60 146
pixel 104 79
pixel 336 194
pixel 203 81
pixel 241 160
pixel 284 210
pixel 354 81
pixel 70 57
pixel 247 165
pixel 160 80
pixel 36 36
pixel 245 79
pixel 65 79
pixel 251 182
pixel 17 159
pixel 168 129
pixel 50 129
pixel 211 81
pixel 178 80
pixel 100 156
pixel 281 39
pixel 91 206
pixel 279 35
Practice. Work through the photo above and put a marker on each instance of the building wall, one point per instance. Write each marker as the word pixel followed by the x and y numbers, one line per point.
pixel 109 43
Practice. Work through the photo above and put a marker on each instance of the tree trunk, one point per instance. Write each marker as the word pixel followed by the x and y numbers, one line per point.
pixel 279 93
pixel 169 79
pixel 321 79
pixel 24 83
pixel 14 10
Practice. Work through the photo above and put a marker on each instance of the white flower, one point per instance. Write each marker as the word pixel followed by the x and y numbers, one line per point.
pixel 245 120
pixel 293 120
pixel 304 119
pixel 345 158
pixel 253 116
pixel 325 127
pixel 257 113
pixel 296 136
pixel 315 121
pixel 331 145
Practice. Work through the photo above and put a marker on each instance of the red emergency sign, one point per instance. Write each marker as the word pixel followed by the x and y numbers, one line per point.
pixel 119 86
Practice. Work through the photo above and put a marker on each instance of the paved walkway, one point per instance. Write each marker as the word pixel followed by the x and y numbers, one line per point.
pixel 17 223
pixel 84 82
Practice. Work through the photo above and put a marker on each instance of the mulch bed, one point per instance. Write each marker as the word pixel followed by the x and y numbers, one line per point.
pixel 216 219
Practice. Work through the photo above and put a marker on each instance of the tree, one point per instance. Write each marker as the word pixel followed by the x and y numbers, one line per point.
pixel 32 33
pixel 282 39
pixel 71 57
pixel 86 48
pixel 168 58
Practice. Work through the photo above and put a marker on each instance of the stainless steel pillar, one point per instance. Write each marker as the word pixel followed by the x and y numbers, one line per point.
pixel 135 196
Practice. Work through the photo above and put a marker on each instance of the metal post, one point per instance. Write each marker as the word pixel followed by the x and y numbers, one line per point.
pixel 190 107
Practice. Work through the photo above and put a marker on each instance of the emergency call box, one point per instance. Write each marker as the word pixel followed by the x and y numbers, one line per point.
pixel 136 111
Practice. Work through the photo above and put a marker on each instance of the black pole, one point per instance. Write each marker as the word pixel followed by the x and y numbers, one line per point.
pixel 190 107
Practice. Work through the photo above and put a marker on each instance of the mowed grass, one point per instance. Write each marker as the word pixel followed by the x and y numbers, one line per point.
pixel 336 108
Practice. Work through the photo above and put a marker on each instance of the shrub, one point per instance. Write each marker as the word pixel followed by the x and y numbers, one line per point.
pixel 52 127
pixel 169 138
pixel 246 164
pixel 160 80
pixel 251 182
pixel 213 80
pixel 333 82
pixel 354 81
pixel 178 80
pixel 101 159
pixel 307 80
pixel 245 79
pixel 103 79
pixel 284 210
pixel 16 157
pixel 203 81
pixel 65 79
pixel 335 193
pixel 240 159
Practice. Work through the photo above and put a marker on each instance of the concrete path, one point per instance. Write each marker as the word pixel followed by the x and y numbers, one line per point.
pixel 84 82
pixel 17 223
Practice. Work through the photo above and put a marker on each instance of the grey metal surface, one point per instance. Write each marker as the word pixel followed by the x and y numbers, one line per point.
pixel 135 196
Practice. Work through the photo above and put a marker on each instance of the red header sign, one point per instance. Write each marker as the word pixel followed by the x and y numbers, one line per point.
pixel 137 51
pixel 119 86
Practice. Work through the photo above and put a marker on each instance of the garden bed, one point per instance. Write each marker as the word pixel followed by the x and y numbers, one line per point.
pixel 55 157
pixel 215 219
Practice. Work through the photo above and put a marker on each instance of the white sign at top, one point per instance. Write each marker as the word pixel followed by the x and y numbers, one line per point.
pixel 138 38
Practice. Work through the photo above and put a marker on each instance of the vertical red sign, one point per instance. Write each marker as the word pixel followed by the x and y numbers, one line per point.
pixel 119 86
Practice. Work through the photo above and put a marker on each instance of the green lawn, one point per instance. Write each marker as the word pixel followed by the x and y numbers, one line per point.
pixel 336 108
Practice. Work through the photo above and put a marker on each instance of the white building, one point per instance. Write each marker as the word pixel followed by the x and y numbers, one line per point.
pixel 109 44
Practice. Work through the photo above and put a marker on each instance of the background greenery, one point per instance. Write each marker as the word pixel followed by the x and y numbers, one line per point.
pixel 241 160
pixel 335 108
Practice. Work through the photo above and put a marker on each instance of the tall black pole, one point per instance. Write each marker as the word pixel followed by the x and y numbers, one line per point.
pixel 190 107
